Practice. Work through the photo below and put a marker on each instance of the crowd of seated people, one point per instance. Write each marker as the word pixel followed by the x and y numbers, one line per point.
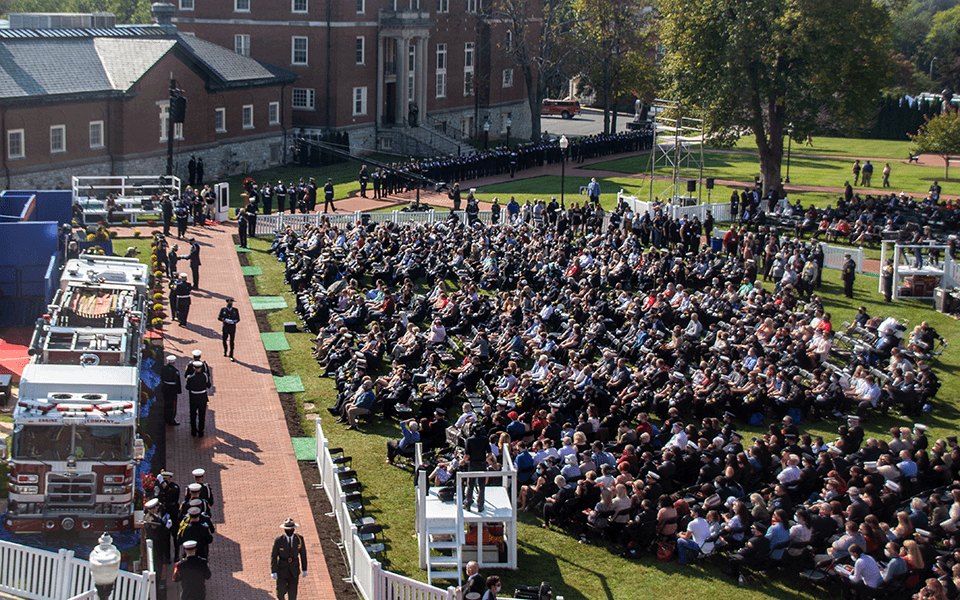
pixel 619 374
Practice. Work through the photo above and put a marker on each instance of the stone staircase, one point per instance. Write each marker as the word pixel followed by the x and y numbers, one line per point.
pixel 421 141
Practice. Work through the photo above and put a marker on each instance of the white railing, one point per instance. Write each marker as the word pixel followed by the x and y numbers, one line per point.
pixel 951 271
pixel 40 575
pixel 270 224
pixel 719 210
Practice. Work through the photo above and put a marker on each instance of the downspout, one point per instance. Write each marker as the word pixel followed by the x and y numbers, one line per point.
pixel 380 73
pixel 329 31
pixel 6 149
pixel 283 127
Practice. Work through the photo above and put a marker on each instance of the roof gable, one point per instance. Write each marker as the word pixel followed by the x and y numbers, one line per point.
pixel 125 61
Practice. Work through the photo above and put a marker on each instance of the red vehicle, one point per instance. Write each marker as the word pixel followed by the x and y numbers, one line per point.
pixel 567 109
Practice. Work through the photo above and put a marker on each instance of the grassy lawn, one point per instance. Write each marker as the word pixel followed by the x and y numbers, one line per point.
pixel 852 147
pixel 574 570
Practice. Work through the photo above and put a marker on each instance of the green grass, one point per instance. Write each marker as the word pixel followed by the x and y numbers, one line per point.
pixel 852 147
pixel 575 571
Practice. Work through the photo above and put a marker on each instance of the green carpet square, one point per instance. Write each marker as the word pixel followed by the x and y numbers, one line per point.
pixel 288 384
pixel 305 448
pixel 267 302
pixel 275 342
pixel 251 271
pixel 242 249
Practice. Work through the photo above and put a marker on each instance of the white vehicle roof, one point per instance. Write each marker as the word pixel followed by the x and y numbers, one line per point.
pixel 91 268
pixel 117 383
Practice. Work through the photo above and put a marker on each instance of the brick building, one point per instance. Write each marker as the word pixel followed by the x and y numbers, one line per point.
pixel 374 67
pixel 94 101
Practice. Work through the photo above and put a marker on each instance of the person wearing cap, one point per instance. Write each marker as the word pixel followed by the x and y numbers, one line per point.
pixel 288 561
pixel 848 273
pixel 197 384
pixel 205 492
pixel 192 498
pixel 328 196
pixel 156 527
pixel 229 316
pixel 168 493
pixel 194 258
pixel 192 573
pixel 172 386
pixel 194 529
pixel 181 292
pixel 197 355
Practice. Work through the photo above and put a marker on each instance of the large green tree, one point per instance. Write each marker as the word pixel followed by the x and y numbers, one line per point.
pixel 940 135
pixel 759 66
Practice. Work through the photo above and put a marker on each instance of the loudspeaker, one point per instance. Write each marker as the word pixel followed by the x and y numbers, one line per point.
pixel 709 183
pixel 178 109
pixel 691 185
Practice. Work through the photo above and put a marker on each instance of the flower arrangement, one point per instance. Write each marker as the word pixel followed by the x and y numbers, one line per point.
pixel 91 237
pixel 157 323
pixel 125 221
pixel 149 483
pixel 158 296
pixel 136 233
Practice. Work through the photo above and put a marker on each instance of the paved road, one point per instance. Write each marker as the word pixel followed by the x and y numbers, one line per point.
pixel 589 122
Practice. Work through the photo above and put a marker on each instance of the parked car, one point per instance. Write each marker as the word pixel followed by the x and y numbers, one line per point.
pixel 567 109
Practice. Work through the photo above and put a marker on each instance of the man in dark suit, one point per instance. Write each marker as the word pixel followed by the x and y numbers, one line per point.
pixel 287 560
pixel 475 585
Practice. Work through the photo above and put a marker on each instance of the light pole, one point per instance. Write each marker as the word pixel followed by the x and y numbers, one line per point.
pixel 564 143
pixel 509 125
pixel 789 144
pixel 105 566
pixel 931 67
pixel 486 133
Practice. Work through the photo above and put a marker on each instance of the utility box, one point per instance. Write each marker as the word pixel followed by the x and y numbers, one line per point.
pixel 222 210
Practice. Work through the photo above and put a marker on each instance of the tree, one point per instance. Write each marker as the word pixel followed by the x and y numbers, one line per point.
pixel 613 41
pixel 939 135
pixel 534 28
pixel 765 65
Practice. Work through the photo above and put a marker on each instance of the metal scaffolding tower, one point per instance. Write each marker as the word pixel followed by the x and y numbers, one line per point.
pixel 677 151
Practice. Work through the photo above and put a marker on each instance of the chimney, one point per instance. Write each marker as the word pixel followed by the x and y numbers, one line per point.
pixel 162 13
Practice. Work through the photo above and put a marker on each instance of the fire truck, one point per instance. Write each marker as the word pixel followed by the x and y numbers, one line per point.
pixel 74 449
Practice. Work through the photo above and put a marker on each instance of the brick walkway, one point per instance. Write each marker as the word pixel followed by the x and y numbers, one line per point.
pixel 246 452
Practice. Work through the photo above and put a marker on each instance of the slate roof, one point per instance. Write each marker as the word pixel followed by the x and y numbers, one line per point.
pixel 50 62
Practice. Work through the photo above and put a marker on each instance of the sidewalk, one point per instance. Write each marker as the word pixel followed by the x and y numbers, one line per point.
pixel 246 452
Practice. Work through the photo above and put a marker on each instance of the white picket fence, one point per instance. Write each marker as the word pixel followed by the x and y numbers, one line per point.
pixel 719 210
pixel 41 575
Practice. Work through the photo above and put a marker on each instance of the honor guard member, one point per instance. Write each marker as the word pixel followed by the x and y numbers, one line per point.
pixel 288 559
pixel 363 178
pixel 311 191
pixel 172 386
pixel 206 492
pixel 328 195
pixel 267 196
pixel 197 355
pixel 191 498
pixel 848 274
pixel 168 493
pixel 156 528
pixel 281 192
pixel 253 209
pixel 194 258
pixel 192 573
pixel 193 529
pixel 229 316
pixel 182 292
pixel 166 207
pixel 172 259
pixel 182 211
pixel 204 512
pixel 197 388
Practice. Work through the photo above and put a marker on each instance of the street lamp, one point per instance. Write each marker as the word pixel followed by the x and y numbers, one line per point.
pixel 509 125
pixel 486 133
pixel 564 143
pixel 789 144
pixel 931 67
pixel 105 566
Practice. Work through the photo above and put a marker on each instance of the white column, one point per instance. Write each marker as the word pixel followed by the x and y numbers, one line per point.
pixel 423 69
pixel 380 76
pixel 402 58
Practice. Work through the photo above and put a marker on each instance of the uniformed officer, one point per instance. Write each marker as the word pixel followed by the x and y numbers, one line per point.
pixel 172 259
pixel 206 492
pixel 253 209
pixel 848 274
pixel 287 560
pixel 194 258
pixel 192 573
pixel 328 195
pixel 242 226
pixel 229 316
pixel 193 500
pixel 156 527
pixel 363 178
pixel 281 192
pixel 266 196
pixel 172 386
pixel 193 529
pixel 182 294
pixel 183 215
pixel 168 493
pixel 197 354
pixel 197 388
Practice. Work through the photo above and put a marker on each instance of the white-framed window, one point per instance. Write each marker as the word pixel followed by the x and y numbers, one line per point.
pixel 361 46
pixel 241 44
pixel 96 134
pixel 15 147
pixel 359 101
pixel 508 78
pixel 361 6
pixel 186 4
pixel 247 116
pixel 165 123
pixel 468 69
pixel 441 85
pixel 273 113
pixel 303 99
pixel 443 6
pixel 441 70
pixel 58 139
pixel 509 40
pixel 298 50
pixel 241 5
pixel 474 6
pixel 298 6
pixel 220 120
